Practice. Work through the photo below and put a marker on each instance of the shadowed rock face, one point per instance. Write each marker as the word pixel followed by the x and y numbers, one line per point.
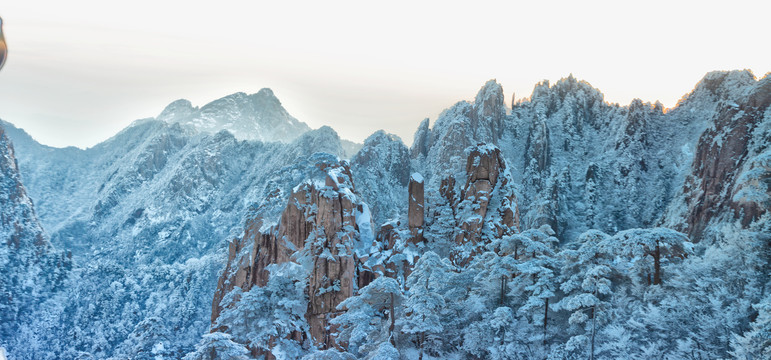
pixel 415 209
pixel 722 152
pixel 319 227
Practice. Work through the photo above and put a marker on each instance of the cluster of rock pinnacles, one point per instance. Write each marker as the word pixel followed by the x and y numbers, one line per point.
pixel 322 218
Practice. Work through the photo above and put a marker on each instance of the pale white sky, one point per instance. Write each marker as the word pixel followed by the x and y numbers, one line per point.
pixel 78 71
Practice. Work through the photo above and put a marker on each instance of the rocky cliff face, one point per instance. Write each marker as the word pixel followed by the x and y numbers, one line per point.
pixel 731 169
pixel 416 207
pixel 324 226
pixel 463 125
pixel 487 207
pixel 327 227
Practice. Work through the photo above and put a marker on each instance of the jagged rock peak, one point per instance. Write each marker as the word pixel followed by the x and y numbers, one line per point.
pixel 177 108
pixel 385 152
pixel 714 80
pixel 490 93
pixel 323 139
pixel 565 86
pixel 420 143
pixel 489 104
pixel 488 201
pixel 324 226
pixel 266 93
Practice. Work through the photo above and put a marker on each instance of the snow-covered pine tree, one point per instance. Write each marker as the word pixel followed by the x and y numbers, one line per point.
pixel 535 281
pixel 269 318
pixel 586 282
pixel 424 303
pixel 370 316
pixel 646 249
pixel 218 345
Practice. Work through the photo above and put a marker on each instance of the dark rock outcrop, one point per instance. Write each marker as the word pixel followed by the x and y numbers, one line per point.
pixel 416 207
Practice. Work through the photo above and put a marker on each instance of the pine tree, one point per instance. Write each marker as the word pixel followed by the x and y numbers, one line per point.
pixel 535 281
pixel 585 275
pixel 424 304
pixel 648 248
pixel 370 316
pixel 266 318
pixel 216 346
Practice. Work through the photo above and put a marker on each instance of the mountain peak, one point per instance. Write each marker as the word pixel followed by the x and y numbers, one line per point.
pixel 258 116
pixel 266 93
pixel 564 87
pixel 20 227
pixel 724 83
pixel 381 136
pixel 491 90
pixel 178 108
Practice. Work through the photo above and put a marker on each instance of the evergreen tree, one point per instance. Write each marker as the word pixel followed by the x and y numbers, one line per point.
pixel 586 283
pixel 535 281
pixel 424 304
pixel 216 346
pixel 267 318
pixel 370 316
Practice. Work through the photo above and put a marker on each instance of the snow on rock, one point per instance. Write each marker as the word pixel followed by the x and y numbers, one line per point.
pixel 324 226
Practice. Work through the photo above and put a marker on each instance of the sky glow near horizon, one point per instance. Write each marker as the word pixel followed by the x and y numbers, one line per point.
pixel 79 71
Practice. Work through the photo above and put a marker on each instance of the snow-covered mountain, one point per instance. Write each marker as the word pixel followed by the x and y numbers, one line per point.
pixel 582 163
pixel 518 203
pixel 258 116
pixel 148 212
pixel 557 187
